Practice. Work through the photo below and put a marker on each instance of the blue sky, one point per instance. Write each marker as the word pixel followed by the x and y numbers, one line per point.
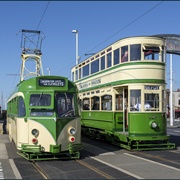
pixel 99 23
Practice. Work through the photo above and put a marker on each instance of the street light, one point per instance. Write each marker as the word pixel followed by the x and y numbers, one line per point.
pixel 49 72
pixel 171 93
pixel 77 57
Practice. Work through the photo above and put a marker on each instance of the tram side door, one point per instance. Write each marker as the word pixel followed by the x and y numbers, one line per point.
pixel 125 111
pixel 122 104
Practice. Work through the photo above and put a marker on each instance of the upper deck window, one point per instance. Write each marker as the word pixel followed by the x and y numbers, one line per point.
pixel 124 54
pixel 116 56
pixel 86 70
pixel 73 76
pixel 95 66
pixel 135 52
pixel 102 62
pixel 151 52
pixel 76 75
pixel 80 73
pixel 109 60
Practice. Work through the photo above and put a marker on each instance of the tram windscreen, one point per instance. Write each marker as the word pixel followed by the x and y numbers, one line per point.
pixel 40 99
pixel 65 104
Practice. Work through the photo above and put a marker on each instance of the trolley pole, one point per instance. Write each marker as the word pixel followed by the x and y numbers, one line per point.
pixel 171 93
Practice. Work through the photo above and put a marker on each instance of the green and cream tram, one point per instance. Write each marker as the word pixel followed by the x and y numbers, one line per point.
pixel 122 92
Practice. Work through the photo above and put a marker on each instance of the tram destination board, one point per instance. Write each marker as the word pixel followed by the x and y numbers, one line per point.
pixel 52 82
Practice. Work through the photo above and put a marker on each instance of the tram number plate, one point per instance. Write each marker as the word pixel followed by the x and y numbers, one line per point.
pixel 151 87
pixel 52 82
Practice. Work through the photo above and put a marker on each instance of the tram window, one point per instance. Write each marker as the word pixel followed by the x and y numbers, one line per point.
pixel 102 62
pixel 95 66
pixel 41 113
pixel 109 60
pixel 163 100
pixel 95 103
pixel 119 102
pixel 86 70
pixel 116 56
pixel 73 76
pixel 106 102
pixel 76 75
pixel 21 107
pixel 135 100
pixel 135 52
pixel 86 103
pixel 162 54
pixel 65 104
pixel 151 53
pixel 80 73
pixel 40 100
pixel 124 54
pixel 151 102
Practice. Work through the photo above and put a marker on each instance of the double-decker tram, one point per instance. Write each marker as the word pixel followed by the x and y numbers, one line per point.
pixel 122 94
pixel 42 113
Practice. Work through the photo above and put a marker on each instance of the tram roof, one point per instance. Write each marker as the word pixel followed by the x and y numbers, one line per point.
pixel 172 42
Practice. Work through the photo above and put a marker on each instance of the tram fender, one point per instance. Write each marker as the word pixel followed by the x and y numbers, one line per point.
pixel 122 136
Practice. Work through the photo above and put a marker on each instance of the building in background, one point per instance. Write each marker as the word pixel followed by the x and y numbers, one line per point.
pixel 176 103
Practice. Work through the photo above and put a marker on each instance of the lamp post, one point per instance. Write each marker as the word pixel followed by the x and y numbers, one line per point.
pixel 171 93
pixel 77 57
pixel 49 72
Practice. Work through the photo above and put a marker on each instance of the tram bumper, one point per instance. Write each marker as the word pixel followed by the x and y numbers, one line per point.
pixel 150 143
pixel 143 142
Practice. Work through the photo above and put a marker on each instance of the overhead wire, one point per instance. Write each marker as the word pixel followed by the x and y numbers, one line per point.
pixel 136 19
pixel 42 16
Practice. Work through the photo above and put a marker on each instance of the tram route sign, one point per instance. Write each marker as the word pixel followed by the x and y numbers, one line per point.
pixel 89 84
pixel 147 87
pixel 52 82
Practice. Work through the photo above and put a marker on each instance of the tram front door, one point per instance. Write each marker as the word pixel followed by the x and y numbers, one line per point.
pixel 122 103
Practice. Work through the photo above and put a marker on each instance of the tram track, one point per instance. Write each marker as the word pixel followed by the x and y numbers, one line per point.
pixel 41 171
pixel 105 175
pixel 45 174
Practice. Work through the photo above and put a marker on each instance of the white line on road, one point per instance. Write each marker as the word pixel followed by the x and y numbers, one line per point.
pixel 15 170
pixel 119 169
pixel 1 172
pixel 153 162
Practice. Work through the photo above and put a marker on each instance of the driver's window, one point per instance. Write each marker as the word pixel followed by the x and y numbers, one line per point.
pixel 64 103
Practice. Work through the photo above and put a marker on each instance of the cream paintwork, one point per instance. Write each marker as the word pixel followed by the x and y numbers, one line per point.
pixel 63 137
pixel 127 73
pixel 24 136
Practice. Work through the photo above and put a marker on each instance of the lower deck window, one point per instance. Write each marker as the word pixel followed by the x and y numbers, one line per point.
pixel 106 102
pixel 151 102
pixel 135 100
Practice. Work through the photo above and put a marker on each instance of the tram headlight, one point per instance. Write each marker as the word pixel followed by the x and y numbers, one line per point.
pixel 72 131
pixel 35 132
pixel 153 125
